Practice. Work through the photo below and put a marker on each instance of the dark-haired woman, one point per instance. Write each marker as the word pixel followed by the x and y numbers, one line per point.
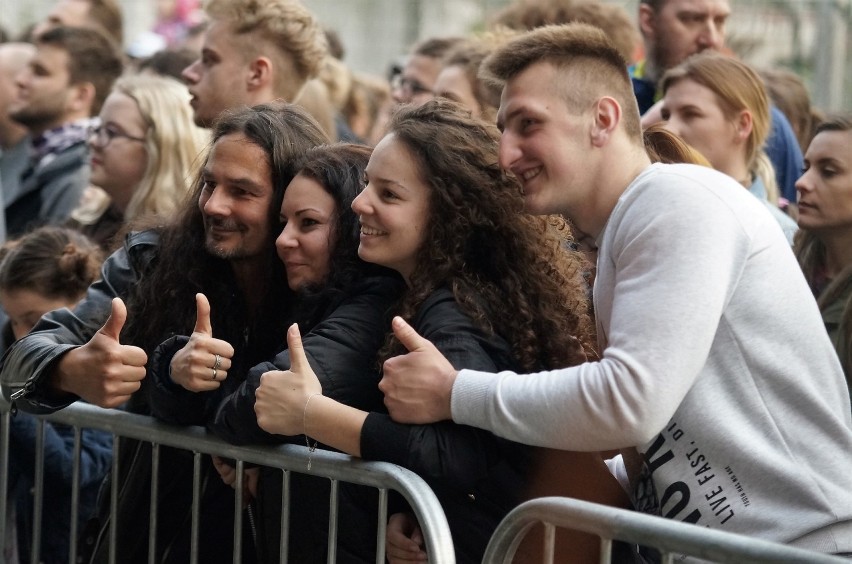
pixel 824 242
pixel 492 288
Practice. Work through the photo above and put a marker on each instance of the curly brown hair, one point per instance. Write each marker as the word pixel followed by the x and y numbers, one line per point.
pixel 512 273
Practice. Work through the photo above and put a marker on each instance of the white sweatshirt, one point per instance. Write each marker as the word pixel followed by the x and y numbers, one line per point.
pixel 715 365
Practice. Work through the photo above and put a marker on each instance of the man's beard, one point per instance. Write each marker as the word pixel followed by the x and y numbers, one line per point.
pixel 34 120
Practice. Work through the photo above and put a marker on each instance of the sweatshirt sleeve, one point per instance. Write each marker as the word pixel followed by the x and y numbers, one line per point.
pixel 670 259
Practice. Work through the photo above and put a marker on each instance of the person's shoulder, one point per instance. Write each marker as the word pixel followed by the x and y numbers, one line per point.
pixel 140 239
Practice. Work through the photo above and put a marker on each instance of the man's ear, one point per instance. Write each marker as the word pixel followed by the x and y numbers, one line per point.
pixel 607 117
pixel 646 21
pixel 81 97
pixel 260 73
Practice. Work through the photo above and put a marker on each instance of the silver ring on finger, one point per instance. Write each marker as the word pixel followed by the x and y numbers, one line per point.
pixel 217 363
pixel 214 373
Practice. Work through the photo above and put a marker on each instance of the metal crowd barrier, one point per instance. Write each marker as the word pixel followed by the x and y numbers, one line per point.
pixel 671 538
pixel 291 458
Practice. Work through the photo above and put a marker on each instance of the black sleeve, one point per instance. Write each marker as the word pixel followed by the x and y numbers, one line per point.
pixel 342 351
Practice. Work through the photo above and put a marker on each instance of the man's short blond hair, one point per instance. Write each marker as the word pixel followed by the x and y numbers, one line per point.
pixel 283 25
pixel 589 65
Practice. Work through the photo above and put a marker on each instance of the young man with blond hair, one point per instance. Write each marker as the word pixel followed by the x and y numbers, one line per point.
pixel 697 296
pixel 254 52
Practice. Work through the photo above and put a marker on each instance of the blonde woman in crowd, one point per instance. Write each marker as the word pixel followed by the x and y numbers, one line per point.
pixel 824 242
pixel 719 105
pixel 142 153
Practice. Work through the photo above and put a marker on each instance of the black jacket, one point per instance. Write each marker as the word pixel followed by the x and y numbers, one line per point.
pixel 28 363
pixel 477 476
pixel 342 349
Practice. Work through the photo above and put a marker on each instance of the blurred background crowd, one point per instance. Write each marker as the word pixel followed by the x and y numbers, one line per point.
pixel 807 37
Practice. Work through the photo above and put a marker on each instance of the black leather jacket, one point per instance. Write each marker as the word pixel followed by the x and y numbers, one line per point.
pixel 27 365
pixel 26 368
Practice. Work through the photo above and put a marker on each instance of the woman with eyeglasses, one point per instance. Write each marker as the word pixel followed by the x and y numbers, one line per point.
pixel 141 156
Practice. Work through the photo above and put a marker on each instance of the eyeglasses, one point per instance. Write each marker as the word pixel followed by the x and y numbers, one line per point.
pixel 104 134
pixel 409 86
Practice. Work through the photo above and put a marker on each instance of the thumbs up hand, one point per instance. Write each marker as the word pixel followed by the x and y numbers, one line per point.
pixel 203 363
pixel 417 385
pixel 103 371
pixel 282 397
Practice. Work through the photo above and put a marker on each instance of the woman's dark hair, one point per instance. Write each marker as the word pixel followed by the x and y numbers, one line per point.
pixel 55 262
pixel 810 251
pixel 339 169
pixel 509 271
pixel 184 267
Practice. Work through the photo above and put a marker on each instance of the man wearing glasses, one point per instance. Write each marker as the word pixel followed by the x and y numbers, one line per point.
pixel 414 84
pixel 64 85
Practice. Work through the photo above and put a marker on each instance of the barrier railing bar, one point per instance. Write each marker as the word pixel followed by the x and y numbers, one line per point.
pixel 196 507
pixel 549 540
pixel 152 516
pixel 113 498
pixel 285 517
pixel 5 418
pixel 75 494
pixel 38 498
pixel 667 535
pixel 382 528
pixel 238 513
pixel 333 500
pixel 606 551
pixel 331 465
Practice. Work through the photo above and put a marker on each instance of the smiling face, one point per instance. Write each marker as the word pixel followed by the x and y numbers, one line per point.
pixel 308 213
pixel 119 166
pixel 692 111
pixel 393 208
pixel 216 80
pixel 543 144
pixel 236 198
pixel 825 188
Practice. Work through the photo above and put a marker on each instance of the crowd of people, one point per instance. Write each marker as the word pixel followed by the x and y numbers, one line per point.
pixel 567 255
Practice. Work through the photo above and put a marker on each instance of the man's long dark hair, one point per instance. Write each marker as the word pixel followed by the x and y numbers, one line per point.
pixel 163 304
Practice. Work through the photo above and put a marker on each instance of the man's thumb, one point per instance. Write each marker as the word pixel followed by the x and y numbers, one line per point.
pixel 407 335
pixel 298 359
pixel 202 318
pixel 117 318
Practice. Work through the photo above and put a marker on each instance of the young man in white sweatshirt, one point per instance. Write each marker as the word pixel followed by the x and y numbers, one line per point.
pixel 697 297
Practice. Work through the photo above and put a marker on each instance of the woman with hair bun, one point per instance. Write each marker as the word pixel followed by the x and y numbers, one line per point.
pixel 46 269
